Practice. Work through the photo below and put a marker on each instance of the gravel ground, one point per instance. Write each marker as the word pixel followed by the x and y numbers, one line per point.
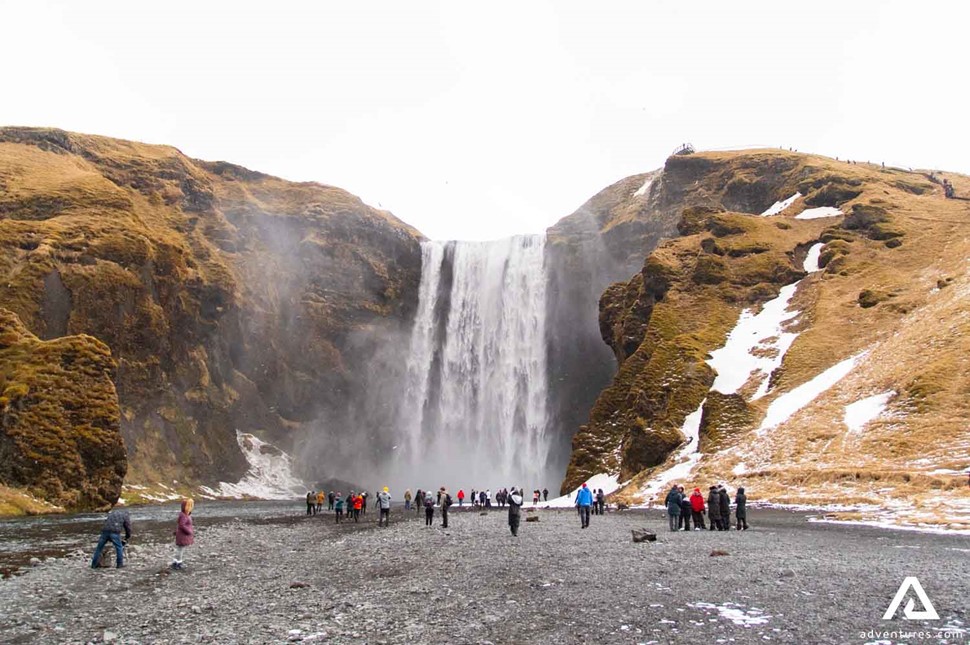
pixel 294 578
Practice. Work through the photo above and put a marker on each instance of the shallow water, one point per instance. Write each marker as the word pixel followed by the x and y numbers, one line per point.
pixel 46 536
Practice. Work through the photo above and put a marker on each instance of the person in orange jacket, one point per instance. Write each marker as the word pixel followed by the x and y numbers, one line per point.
pixel 358 504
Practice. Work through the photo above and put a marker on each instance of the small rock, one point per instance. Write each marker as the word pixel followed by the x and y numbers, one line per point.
pixel 622 507
pixel 716 553
pixel 786 573
pixel 34 562
pixel 643 535
pixel 532 518
pixel 299 585
pixel 109 637
pixel 196 609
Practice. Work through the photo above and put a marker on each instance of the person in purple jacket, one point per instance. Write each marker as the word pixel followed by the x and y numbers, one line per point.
pixel 184 533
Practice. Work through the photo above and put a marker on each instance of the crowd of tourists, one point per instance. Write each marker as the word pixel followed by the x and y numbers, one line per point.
pixel 684 511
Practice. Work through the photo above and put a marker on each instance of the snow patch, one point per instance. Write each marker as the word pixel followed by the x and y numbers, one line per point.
pixel 811 260
pixel 609 483
pixel 821 211
pixel 858 414
pixel 778 207
pixel 685 459
pixel 735 613
pixel 736 361
pixel 270 474
pixel 786 405
pixel 640 192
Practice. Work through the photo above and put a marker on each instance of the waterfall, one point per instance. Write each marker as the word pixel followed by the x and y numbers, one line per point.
pixel 475 408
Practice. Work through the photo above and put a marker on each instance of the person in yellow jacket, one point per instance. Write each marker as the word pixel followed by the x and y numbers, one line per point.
pixel 320 498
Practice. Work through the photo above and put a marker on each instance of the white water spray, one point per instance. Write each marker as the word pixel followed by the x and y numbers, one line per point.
pixel 475 409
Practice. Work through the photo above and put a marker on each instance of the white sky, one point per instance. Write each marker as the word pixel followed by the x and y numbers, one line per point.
pixel 479 120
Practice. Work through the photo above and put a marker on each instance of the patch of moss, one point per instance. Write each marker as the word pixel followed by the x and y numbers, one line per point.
pixel 60 422
pixel 872 297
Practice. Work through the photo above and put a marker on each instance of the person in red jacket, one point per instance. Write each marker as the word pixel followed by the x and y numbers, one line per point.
pixel 184 533
pixel 461 496
pixel 697 509
pixel 358 505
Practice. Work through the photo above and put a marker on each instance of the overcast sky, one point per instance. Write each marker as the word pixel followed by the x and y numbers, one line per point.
pixel 480 120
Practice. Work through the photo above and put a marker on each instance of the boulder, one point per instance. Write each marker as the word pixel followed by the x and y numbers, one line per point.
pixel 532 518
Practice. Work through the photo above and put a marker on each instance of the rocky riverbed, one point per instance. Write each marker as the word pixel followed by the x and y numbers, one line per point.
pixel 291 579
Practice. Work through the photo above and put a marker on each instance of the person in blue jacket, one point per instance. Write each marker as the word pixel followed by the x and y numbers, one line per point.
pixel 584 500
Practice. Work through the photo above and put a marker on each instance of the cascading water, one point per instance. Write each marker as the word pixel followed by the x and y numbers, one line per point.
pixel 475 409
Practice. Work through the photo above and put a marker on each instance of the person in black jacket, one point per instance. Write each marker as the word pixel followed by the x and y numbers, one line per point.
pixel 514 501
pixel 685 510
pixel 725 509
pixel 741 500
pixel 714 508
pixel 118 520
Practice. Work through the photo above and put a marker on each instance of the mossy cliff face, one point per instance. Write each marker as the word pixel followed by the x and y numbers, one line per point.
pixel 663 323
pixel 605 240
pixel 60 434
pixel 229 299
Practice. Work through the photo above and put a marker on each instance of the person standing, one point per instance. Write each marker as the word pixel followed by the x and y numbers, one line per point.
pixel 358 505
pixel 384 503
pixel 445 505
pixel 600 502
pixel 428 509
pixel 117 521
pixel 515 511
pixel 320 498
pixel 535 497
pixel 419 500
pixel 672 502
pixel 309 501
pixel 363 503
pixel 481 498
pixel 338 508
pixel 184 533
pixel 697 509
pixel 584 500
pixel 330 498
pixel 725 508
pixel 685 509
pixel 474 498
pixel 741 501
pixel 461 497
pixel 407 499
pixel 714 508
pixel 545 494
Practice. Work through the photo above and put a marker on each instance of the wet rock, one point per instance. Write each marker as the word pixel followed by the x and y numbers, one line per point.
pixel 718 553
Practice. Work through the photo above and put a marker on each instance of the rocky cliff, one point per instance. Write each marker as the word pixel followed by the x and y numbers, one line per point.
pixel 230 300
pixel 881 322
pixel 605 240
